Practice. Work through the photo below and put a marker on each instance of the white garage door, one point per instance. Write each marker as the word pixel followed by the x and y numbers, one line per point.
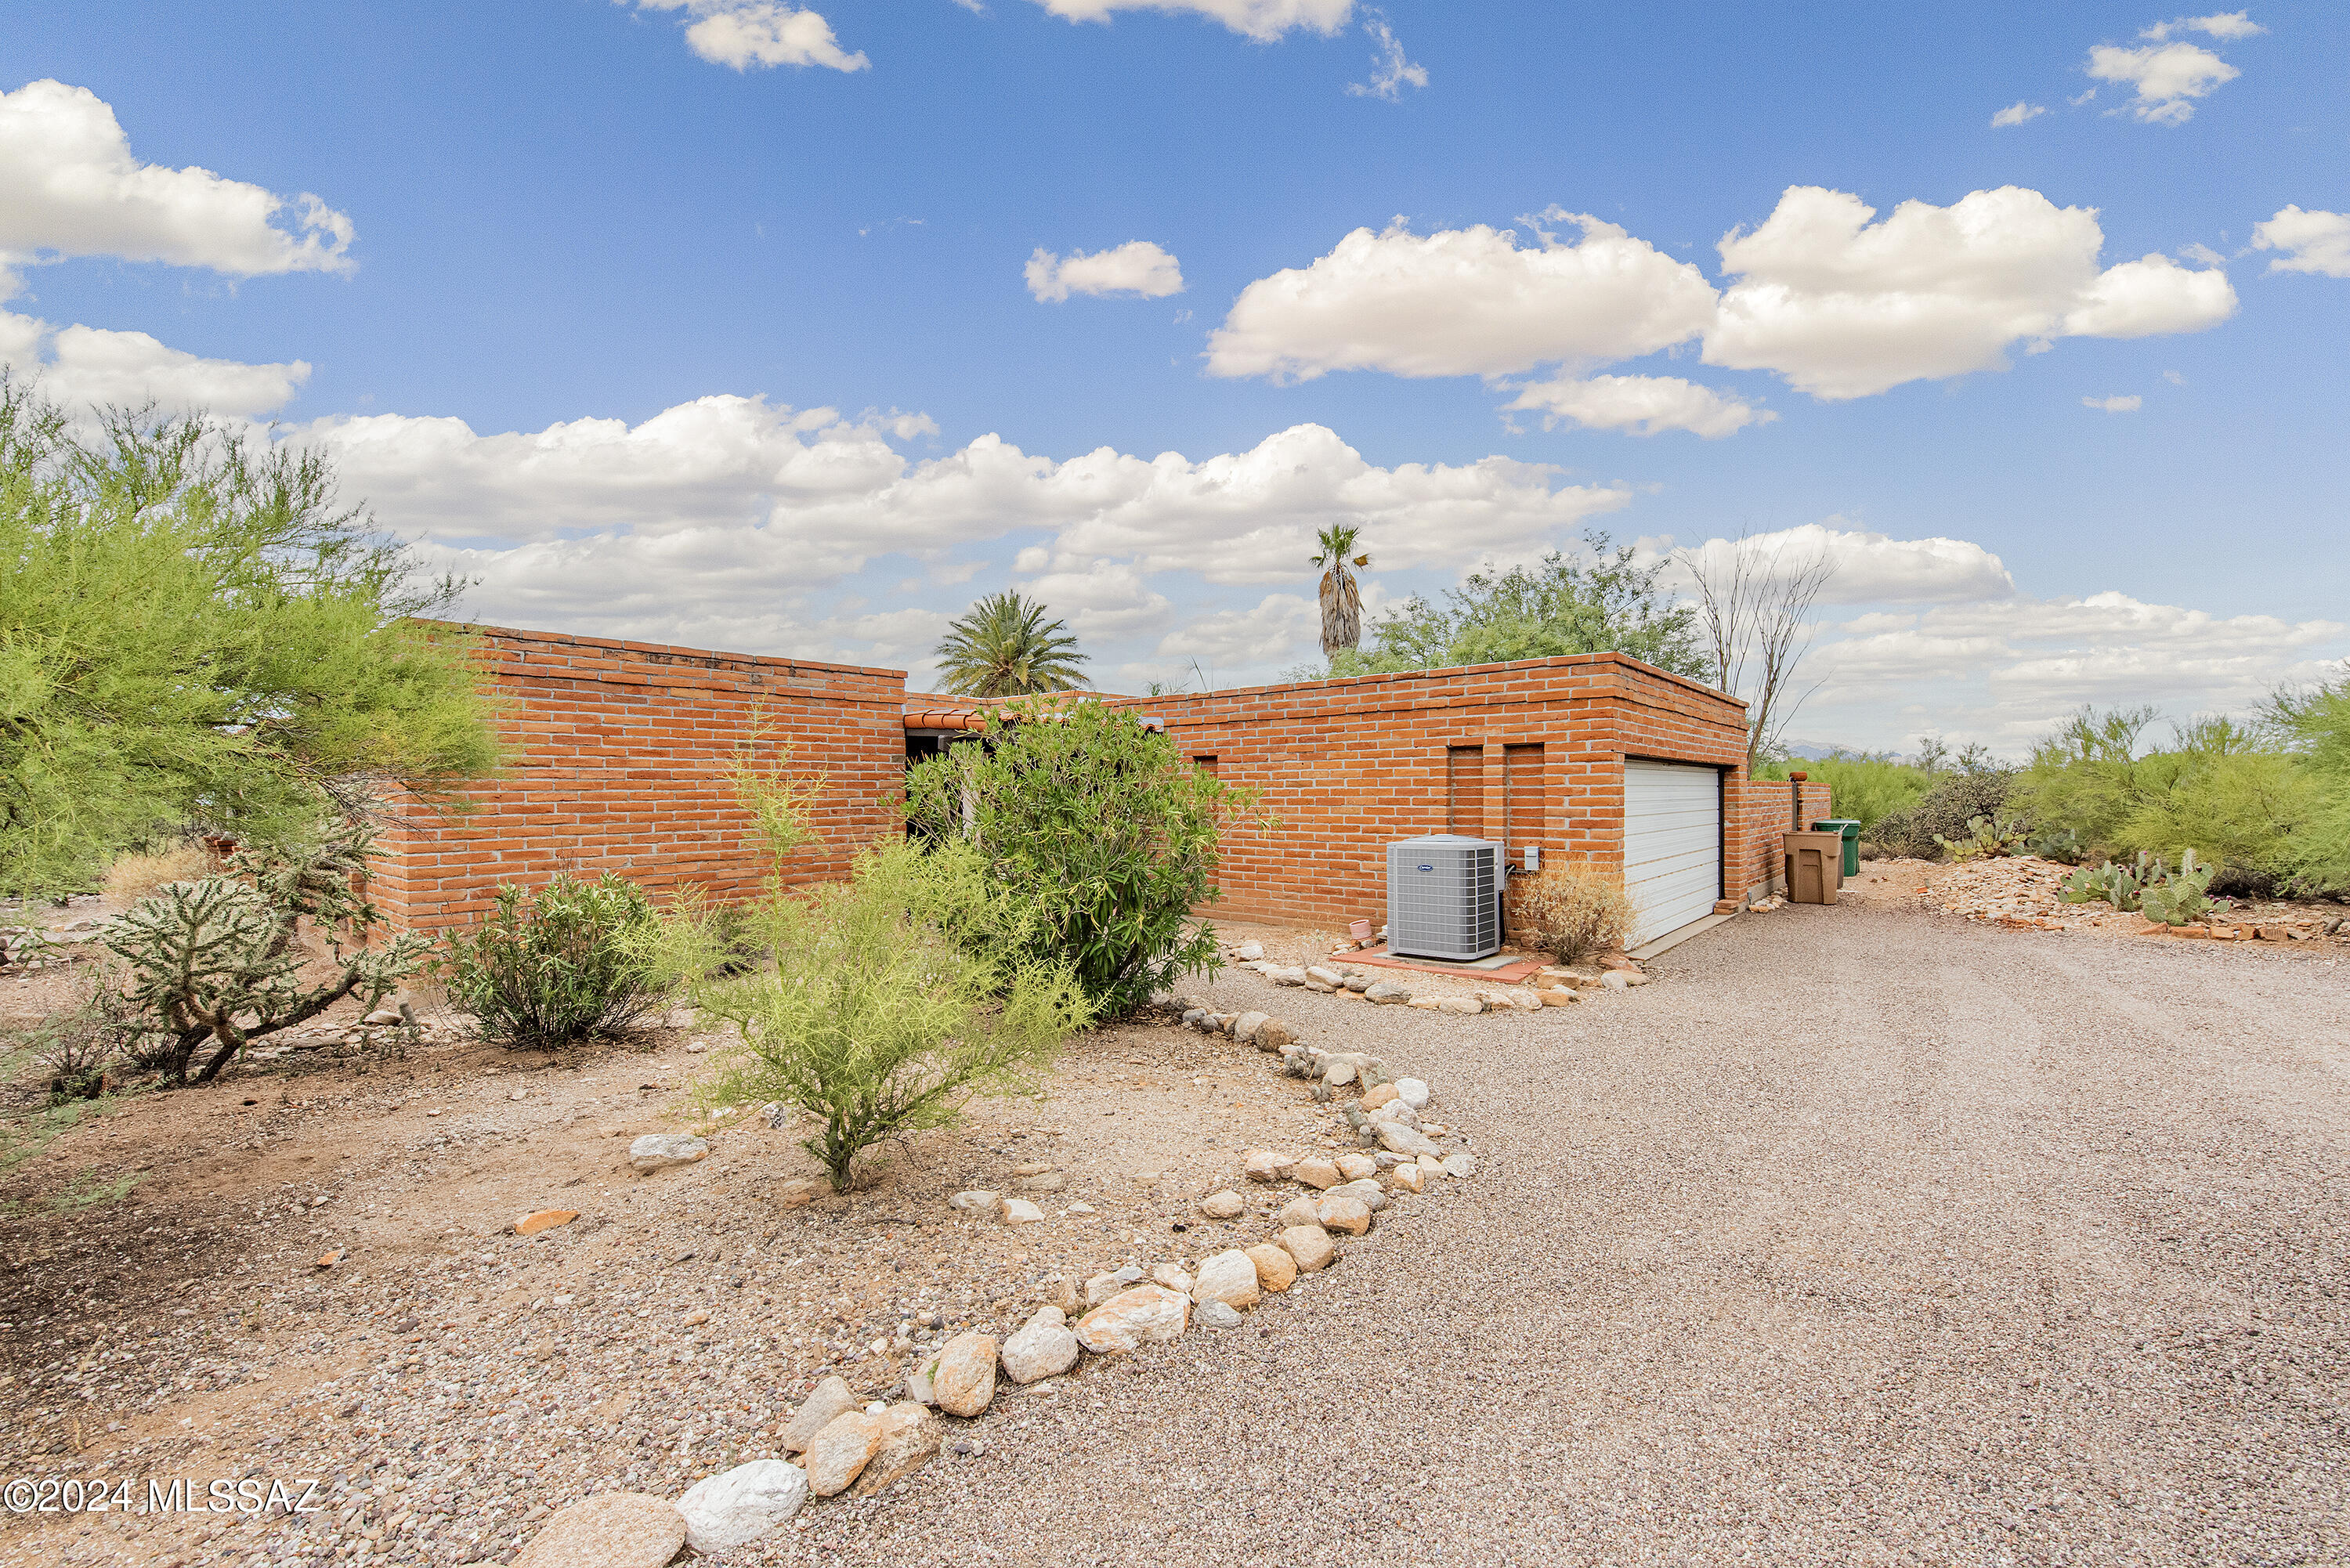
pixel 1672 844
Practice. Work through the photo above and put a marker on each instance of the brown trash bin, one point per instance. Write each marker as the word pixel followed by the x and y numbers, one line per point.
pixel 1814 867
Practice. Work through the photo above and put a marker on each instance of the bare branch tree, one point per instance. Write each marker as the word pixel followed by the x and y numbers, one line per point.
pixel 1754 601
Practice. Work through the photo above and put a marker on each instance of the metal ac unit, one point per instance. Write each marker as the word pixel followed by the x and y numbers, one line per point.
pixel 1443 897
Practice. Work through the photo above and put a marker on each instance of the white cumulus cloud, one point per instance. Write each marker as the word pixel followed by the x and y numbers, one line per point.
pixel 79 366
pixel 1844 308
pixel 70 186
pixel 2221 25
pixel 1463 302
pixel 1644 405
pixel 2168 77
pixel 1389 69
pixel 1137 267
pixel 2017 113
pixel 2126 404
pixel 2316 242
pixel 1263 20
pixel 747 33
pixel 1870 569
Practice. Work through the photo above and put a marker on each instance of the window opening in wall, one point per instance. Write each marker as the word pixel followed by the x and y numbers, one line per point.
pixel 1522 803
pixel 1464 791
pixel 1205 765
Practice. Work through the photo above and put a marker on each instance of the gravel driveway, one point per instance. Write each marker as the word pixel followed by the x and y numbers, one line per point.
pixel 1863 1236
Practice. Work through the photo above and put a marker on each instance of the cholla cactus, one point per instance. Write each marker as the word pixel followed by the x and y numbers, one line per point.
pixel 216 959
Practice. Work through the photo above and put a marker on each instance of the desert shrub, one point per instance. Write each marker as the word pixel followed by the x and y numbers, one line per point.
pixel 1868 789
pixel 1574 911
pixel 2180 897
pixel 137 874
pixel 1098 825
pixel 217 959
pixel 2315 726
pixel 893 997
pixel 562 965
pixel 1944 811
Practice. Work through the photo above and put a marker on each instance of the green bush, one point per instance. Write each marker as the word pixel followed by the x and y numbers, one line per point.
pixel 1868 789
pixel 2315 726
pixel 1944 811
pixel 1100 827
pixel 2244 804
pixel 893 998
pixel 568 963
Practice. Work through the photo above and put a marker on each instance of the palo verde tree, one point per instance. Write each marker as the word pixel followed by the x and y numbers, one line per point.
pixel 194 635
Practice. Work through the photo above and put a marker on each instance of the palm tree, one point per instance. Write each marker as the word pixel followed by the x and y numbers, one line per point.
pixel 1342 600
pixel 1003 647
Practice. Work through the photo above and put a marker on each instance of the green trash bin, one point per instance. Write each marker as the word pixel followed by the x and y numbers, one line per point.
pixel 1850 828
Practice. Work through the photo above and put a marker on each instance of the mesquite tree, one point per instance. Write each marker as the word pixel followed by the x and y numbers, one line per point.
pixel 217 959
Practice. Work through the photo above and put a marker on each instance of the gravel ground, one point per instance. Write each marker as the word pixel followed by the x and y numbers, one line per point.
pixel 1861 1235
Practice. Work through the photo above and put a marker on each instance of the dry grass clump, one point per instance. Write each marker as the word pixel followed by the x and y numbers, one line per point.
pixel 133 876
pixel 1574 911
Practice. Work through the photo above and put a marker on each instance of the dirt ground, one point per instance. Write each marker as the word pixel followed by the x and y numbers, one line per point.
pixel 192 1329
pixel 2021 892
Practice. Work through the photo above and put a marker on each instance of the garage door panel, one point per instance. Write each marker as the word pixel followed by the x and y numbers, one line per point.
pixel 1672 844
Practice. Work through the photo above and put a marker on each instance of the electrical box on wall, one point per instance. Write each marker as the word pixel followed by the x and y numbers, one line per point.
pixel 1534 857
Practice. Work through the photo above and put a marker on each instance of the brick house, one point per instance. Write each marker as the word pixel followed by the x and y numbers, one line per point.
pixel 618 754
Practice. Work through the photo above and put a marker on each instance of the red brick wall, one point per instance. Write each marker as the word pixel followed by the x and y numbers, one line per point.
pixel 617 753
pixel 1349 766
pixel 1763 809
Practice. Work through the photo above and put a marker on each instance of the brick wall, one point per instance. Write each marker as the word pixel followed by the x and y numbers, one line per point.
pixel 1761 810
pixel 617 753
pixel 1349 766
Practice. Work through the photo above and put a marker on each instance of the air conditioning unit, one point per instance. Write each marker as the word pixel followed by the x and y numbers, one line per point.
pixel 1444 897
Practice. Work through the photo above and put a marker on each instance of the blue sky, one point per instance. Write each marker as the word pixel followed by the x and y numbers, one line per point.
pixel 662 340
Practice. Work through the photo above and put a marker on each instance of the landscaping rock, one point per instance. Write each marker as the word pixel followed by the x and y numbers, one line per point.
pixel 1147 1314
pixel 1309 1246
pixel 1291 975
pixel 1412 1092
pixel 1357 981
pixel 1174 1276
pixel 1355 1167
pixel 735 1508
pixel 1349 1214
pixel 1265 1165
pixel 1559 996
pixel 659 1151
pixel 1462 1004
pixel 1020 1211
pixel 1338 1073
pixel 1245 1026
pixel 833 1398
pixel 1249 952
pixel 1366 1192
pixel 1228 1277
pixel 1226 1205
pixel 917 1385
pixel 1327 975
pixel 544 1219
pixel 1387 993
pixel 840 1452
pixel 1315 1172
pixel 1616 979
pixel 909 1441
pixel 1274 1267
pixel 1461 1163
pixel 978 1200
pixel 963 1375
pixel 1298 1211
pixel 1402 1140
pixel 1044 1347
pixel 1215 1314
pixel 1373 1098
pixel 614 1530
pixel 1102 1286
pixel 1275 1034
